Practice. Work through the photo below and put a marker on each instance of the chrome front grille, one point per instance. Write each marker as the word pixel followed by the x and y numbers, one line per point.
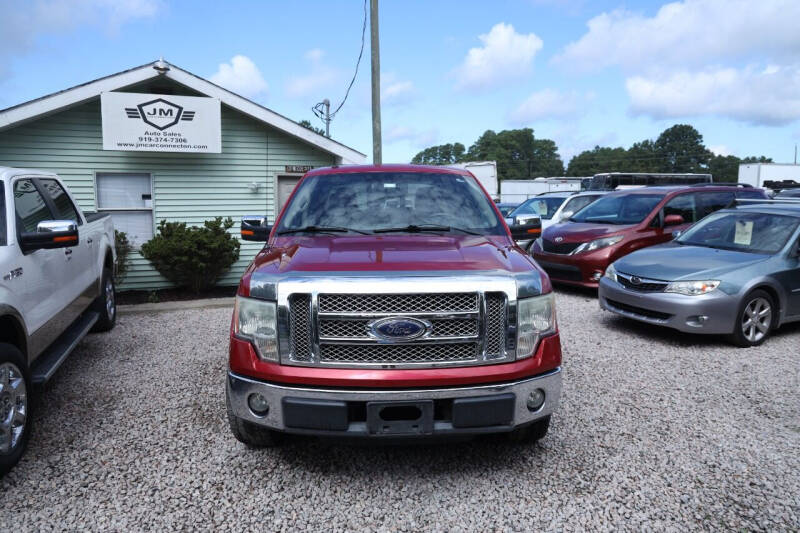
pixel 463 328
pixel 399 353
pixel 399 303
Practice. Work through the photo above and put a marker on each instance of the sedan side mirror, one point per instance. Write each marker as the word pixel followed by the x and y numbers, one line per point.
pixel 255 228
pixel 673 220
pixel 50 234
pixel 526 227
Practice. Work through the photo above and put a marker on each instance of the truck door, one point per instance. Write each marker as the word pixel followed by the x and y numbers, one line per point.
pixel 80 265
pixel 42 279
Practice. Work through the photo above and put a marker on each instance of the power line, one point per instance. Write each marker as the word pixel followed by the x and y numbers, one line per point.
pixel 319 109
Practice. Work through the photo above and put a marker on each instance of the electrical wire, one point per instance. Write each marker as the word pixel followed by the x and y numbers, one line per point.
pixel 318 109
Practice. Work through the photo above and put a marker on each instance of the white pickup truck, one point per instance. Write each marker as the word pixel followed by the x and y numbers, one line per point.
pixel 56 285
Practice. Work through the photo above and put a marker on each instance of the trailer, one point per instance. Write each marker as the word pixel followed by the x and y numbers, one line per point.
pixel 517 191
pixel 774 176
pixel 485 172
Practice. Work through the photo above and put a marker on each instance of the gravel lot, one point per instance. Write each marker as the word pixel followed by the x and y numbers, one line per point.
pixel 657 431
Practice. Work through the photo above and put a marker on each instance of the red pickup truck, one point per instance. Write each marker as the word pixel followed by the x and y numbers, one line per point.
pixel 391 301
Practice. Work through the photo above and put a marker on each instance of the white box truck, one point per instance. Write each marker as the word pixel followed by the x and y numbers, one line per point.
pixel 485 172
pixel 773 176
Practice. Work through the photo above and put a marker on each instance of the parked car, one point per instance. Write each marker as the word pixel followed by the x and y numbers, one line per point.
pixel 542 207
pixel 623 221
pixel 736 272
pixel 360 321
pixel 506 208
pixel 56 284
pixel 572 205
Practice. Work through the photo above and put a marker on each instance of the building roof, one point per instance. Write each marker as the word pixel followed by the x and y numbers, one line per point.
pixel 53 103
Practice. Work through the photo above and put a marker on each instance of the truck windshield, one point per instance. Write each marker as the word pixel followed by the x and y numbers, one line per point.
pixel 755 233
pixel 395 201
pixel 3 228
pixel 619 209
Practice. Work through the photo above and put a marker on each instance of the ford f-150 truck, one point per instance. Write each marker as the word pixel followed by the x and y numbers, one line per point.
pixel 391 301
pixel 56 284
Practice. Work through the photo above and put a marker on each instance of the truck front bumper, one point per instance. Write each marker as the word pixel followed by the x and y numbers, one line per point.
pixel 487 408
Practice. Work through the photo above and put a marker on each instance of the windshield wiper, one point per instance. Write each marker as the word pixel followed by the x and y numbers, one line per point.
pixel 322 229
pixel 413 228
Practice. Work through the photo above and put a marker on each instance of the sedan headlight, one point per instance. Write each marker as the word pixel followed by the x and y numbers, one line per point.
pixel 597 244
pixel 255 320
pixel 692 288
pixel 536 317
pixel 611 272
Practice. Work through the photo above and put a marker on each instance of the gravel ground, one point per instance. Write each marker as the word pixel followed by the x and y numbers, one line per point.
pixel 657 431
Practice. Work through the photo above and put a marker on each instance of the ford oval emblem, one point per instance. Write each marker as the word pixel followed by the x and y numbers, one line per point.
pixel 398 328
pixel 558 239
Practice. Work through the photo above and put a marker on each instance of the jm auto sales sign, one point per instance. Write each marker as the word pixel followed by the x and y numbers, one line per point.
pixel 160 123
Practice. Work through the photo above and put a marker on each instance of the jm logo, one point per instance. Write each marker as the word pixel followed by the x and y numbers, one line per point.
pixel 159 113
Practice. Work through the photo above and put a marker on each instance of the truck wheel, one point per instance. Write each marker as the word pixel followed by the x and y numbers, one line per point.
pixel 755 319
pixel 15 419
pixel 250 435
pixel 532 432
pixel 106 304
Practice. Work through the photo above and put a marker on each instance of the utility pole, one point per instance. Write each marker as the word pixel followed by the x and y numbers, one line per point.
pixel 327 105
pixel 376 83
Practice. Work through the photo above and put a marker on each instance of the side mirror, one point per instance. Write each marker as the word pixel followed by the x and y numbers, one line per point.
pixel 50 234
pixel 676 234
pixel 526 227
pixel 565 215
pixel 255 228
pixel 673 220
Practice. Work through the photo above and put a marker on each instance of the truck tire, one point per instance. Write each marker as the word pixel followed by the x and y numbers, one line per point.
pixel 250 435
pixel 756 319
pixel 106 303
pixel 532 432
pixel 15 402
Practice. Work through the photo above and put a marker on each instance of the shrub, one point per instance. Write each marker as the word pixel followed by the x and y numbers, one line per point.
pixel 193 257
pixel 123 247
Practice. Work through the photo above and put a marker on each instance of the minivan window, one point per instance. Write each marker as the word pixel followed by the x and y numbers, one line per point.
pixel 713 201
pixel 29 206
pixel 619 209
pixel 683 205
pixel 369 201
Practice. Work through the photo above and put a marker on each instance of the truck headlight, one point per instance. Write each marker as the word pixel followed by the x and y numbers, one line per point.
pixel 692 288
pixel 255 320
pixel 536 317
pixel 596 244
pixel 611 272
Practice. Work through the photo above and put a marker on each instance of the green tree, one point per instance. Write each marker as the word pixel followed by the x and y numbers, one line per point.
pixel 547 161
pixel 681 149
pixel 306 124
pixel 642 157
pixel 443 154
pixel 599 159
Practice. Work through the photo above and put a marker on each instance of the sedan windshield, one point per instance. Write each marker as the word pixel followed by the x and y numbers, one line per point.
pixel 386 202
pixel 619 209
pixel 756 233
pixel 545 207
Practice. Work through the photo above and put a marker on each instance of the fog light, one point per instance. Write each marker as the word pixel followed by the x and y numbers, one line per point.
pixel 258 404
pixel 535 400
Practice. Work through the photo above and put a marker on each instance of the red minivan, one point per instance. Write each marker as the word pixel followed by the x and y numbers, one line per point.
pixel 577 252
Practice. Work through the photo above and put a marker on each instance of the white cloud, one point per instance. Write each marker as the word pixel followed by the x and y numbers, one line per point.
pixel 720 149
pixel 319 77
pixel 546 104
pixel 505 55
pixel 395 91
pixel 241 76
pixel 769 96
pixel 22 23
pixel 416 138
pixel 690 32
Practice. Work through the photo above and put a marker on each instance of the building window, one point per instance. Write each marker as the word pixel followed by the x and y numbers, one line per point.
pixel 128 197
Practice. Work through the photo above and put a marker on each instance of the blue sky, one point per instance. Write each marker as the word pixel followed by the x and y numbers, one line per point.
pixel 580 72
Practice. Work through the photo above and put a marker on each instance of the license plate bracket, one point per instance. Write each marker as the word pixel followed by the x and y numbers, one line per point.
pixel 400 418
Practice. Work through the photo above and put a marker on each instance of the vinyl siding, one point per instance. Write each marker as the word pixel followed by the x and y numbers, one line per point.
pixel 187 188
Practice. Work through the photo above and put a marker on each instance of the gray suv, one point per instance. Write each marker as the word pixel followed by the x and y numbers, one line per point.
pixel 736 272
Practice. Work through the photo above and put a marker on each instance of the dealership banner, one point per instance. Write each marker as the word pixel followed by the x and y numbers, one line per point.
pixel 160 123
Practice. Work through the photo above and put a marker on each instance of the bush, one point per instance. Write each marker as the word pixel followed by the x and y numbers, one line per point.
pixel 193 257
pixel 123 247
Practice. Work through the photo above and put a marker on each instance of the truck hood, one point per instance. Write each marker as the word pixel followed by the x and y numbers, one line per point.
pixel 583 232
pixel 675 262
pixel 391 252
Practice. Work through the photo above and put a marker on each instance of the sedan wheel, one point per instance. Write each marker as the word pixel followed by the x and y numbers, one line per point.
pixel 756 319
